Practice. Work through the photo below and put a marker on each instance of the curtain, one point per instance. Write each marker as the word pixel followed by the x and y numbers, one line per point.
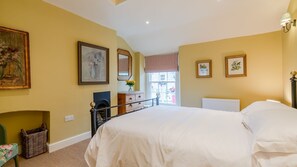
pixel 161 63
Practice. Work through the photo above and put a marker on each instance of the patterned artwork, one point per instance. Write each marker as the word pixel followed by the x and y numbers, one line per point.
pixel 14 59
pixel 203 69
pixel 235 66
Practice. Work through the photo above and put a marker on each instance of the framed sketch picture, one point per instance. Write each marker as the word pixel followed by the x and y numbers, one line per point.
pixel 93 64
pixel 235 66
pixel 203 69
pixel 14 59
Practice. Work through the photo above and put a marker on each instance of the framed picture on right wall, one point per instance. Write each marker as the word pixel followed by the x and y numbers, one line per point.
pixel 203 69
pixel 235 66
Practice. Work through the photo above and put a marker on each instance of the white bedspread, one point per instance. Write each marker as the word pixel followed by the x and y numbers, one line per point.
pixel 165 136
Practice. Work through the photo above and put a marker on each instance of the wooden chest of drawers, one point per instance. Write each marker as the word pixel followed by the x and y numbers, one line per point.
pixel 129 97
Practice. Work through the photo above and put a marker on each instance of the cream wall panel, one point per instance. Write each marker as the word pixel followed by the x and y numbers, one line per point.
pixel 264 70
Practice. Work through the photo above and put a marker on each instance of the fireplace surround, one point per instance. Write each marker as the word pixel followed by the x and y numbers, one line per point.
pixel 102 100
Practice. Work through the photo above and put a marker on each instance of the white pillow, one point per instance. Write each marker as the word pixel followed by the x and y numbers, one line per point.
pixel 265 105
pixel 274 127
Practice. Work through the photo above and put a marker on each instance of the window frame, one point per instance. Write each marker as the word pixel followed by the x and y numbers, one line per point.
pixel 176 82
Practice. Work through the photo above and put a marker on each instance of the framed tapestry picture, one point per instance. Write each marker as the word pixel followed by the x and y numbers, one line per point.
pixel 203 69
pixel 14 59
pixel 235 66
pixel 93 64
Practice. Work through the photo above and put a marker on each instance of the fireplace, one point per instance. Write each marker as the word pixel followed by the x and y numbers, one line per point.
pixel 102 100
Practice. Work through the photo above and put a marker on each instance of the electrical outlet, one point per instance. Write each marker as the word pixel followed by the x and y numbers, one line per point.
pixel 69 118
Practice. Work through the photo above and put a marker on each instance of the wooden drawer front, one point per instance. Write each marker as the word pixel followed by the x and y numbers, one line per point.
pixel 124 98
pixel 139 97
pixel 130 98
pixel 137 106
pixel 141 105
pixel 130 107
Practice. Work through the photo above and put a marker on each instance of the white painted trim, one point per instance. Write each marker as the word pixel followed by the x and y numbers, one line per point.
pixel 221 104
pixel 69 141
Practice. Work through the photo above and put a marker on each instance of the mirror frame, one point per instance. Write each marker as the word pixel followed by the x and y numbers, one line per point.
pixel 125 53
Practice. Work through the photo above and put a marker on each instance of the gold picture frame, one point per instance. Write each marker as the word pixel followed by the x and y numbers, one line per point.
pixel 235 66
pixel 203 69
pixel 14 59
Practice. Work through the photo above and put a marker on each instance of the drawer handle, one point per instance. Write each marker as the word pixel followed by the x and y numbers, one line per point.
pixel 139 103
pixel 139 96
pixel 130 98
pixel 130 105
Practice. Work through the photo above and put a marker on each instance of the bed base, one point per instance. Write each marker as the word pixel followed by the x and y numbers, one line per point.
pixel 96 114
pixel 293 89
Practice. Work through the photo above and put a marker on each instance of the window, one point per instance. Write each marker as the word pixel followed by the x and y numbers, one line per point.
pixel 163 83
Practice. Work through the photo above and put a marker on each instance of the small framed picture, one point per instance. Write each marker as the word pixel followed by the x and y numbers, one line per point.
pixel 203 69
pixel 235 66
pixel 93 64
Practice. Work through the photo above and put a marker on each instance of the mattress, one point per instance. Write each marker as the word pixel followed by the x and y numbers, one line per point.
pixel 172 136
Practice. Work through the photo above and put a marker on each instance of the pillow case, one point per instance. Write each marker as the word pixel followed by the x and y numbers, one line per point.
pixel 273 125
pixel 274 160
pixel 265 105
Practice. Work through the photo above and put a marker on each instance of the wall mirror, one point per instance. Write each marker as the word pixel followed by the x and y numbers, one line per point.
pixel 124 65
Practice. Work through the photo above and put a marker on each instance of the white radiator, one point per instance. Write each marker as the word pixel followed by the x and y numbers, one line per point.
pixel 221 104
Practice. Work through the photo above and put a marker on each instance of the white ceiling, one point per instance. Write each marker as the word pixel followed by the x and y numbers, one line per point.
pixel 179 22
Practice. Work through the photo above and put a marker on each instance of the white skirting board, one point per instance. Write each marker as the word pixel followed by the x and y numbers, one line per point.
pixel 69 141
pixel 221 104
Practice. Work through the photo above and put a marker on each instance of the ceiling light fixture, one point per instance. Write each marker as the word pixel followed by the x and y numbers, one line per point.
pixel 147 22
pixel 286 22
pixel 116 2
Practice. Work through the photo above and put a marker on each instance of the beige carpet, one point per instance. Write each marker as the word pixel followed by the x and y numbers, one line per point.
pixel 72 156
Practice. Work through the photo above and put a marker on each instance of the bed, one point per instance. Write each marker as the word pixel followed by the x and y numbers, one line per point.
pixel 262 135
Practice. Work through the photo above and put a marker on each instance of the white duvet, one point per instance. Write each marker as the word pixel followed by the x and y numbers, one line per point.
pixel 165 136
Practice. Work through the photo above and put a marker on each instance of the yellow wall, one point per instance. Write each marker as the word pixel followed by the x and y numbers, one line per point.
pixel 139 72
pixel 264 70
pixel 22 119
pixel 53 58
pixel 54 71
pixel 122 44
pixel 137 68
pixel 289 53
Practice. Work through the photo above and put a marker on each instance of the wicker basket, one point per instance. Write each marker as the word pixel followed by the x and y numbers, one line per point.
pixel 34 141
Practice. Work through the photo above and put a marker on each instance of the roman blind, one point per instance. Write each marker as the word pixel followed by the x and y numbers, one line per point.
pixel 161 63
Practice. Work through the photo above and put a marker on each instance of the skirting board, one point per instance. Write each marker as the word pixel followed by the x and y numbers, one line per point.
pixel 69 141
